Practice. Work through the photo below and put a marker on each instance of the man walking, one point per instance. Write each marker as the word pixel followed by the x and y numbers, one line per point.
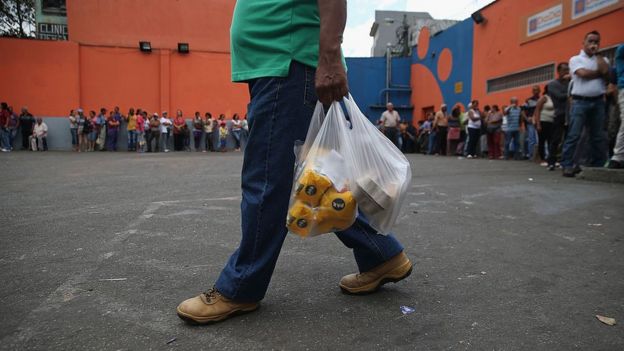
pixel 589 74
pixel 617 160
pixel 557 90
pixel 280 63
pixel 390 123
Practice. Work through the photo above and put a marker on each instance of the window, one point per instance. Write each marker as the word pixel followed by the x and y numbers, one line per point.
pixel 522 78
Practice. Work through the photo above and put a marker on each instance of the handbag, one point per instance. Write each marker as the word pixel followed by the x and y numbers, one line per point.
pixel 453 133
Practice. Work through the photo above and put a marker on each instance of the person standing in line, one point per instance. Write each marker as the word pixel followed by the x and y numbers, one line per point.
pixel 493 121
pixel 557 90
pixel 223 135
pixel 208 130
pixel 4 127
pixel 81 120
pixel 178 131
pixel 589 75
pixel 140 130
pixel 100 129
pixel 113 124
pixel 440 124
pixel 165 131
pixel 237 126
pixel 154 134
pixel 545 124
pixel 27 122
pixel 514 115
pixel 12 127
pixel 279 63
pixel 617 160
pixel 73 129
pixel 432 146
pixel 474 129
pixel 530 139
pixel 198 130
pixel 131 127
pixel 453 134
pixel 92 132
pixel 390 122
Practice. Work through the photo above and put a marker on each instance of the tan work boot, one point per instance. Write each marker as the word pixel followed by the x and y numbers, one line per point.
pixel 395 269
pixel 211 307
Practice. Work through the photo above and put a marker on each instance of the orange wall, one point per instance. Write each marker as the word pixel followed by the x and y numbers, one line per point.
pixel 498 52
pixel 39 74
pixel 53 77
pixel 204 24
pixel 119 77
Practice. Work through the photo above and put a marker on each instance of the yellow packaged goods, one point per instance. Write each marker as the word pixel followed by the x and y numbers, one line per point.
pixel 311 186
pixel 336 212
pixel 300 219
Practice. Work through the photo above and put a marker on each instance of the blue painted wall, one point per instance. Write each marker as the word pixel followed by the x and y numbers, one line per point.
pixel 367 79
pixel 459 40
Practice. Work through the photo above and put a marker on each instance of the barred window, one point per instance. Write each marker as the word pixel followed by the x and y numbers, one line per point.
pixel 519 79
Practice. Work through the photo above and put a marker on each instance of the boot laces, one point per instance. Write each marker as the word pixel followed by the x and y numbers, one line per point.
pixel 212 294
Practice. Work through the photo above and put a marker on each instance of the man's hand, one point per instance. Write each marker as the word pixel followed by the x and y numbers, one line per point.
pixel 331 78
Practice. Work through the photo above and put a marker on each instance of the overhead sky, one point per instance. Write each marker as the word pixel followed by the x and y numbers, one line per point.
pixel 361 15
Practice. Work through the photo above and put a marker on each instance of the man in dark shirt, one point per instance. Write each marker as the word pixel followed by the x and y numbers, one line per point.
pixel 530 136
pixel 558 93
pixel 27 121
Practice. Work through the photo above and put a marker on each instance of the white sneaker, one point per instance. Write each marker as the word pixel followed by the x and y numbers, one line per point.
pixel 5 150
pixel 469 156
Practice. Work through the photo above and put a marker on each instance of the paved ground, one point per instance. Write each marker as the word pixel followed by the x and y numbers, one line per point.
pixel 96 250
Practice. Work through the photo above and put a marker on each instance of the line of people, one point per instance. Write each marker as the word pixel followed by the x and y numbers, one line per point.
pixel 574 119
pixel 153 133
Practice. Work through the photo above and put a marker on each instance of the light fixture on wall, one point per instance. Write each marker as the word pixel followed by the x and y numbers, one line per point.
pixel 478 18
pixel 183 48
pixel 145 46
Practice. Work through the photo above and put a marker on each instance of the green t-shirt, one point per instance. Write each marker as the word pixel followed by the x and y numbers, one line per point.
pixel 266 35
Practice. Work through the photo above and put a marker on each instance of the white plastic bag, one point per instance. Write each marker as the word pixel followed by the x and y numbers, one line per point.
pixel 345 165
pixel 321 200
pixel 382 174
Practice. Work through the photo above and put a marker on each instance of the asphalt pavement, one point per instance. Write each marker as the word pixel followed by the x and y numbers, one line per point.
pixel 97 249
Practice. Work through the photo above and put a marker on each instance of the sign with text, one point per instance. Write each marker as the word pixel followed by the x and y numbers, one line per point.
pixel 52 31
pixel 545 20
pixel 582 8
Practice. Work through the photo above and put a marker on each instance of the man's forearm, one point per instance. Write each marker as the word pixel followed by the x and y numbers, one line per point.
pixel 333 14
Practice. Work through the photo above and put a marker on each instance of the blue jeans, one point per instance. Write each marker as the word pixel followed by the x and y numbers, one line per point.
pixel 512 136
pixel 530 141
pixel 132 139
pixel 4 138
pixel 279 114
pixel 74 136
pixel 432 143
pixel 590 114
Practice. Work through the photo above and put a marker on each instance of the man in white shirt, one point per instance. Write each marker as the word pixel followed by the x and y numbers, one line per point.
pixel 589 75
pixel 39 138
pixel 165 129
pixel 390 121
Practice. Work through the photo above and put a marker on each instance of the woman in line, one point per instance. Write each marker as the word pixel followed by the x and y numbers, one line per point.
pixel 198 129
pixel 92 132
pixel 82 137
pixel 493 121
pixel 209 125
pixel 131 119
pixel 73 129
pixel 454 131
pixel 178 131
pixel 140 130
pixel 544 123
pixel 474 129
pixel 237 126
